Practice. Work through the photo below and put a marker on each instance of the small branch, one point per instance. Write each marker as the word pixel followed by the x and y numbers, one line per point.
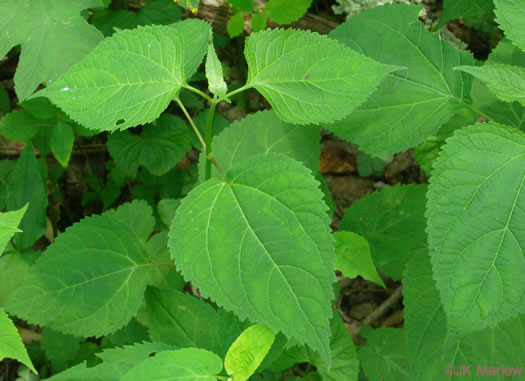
pixel 198 92
pixel 378 312
pixel 190 120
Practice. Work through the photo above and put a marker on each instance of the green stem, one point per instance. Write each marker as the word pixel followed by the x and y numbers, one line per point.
pixel 196 130
pixel 209 137
pixel 198 92
pixel 479 112
pixel 192 124
pixel 239 90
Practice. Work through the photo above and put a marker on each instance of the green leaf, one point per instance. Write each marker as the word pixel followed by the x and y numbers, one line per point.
pixel 235 25
pixel 345 365
pixel 427 331
pixel 258 244
pixel 131 77
pixel 136 215
pixel 511 114
pixel 473 13
pixel 163 274
pixel 392 221
pixel 166 209
pixel 247 352
pixel 428 151
pixel 214 74
pixel 258 22
pixel 89 282
pixel 11 344
pixel 20 125
pixel 155 12
pixel 384 357
pixel 62 139
pixel 353 259
pixel 286 11
pixel 9 222
pixel 192 5
pixel 116 363
pixel 28 187
pixel 185 321
pixel 13 267
pixel 505 81
pixel 243 5
pixel 52 36
pixel 409 105
pixel 159 147
pixel 475 224
pixel 53 344
pixel 183 364
pixel 264 133
pixel 309 78
pixel 344 362
pixel 510 15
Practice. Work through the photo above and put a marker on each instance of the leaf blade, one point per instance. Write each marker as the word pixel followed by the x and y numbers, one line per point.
pixel 245 231
pixel 89 282
pixel 410 105
pixel 105 92
pixel 308 78
pixel 471 165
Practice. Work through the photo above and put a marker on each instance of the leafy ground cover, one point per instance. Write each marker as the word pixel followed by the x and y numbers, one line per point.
pixel 234 199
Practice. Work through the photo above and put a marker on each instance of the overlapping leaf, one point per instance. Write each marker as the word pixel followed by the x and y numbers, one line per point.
pixel 155 12
pixel 286 11
pixel 46 30
pixel 264 133
pixel 247 352
pixel 511 114
pixel 473 13
pixel 384 357
pixel 505 81
pixel 510 15
pixel 10 342
pixel 182 364
pixel 159 147
pixel 89 282
pixel 131 77
pixel 258 244
pixel 353 259
pixel 475 226
pixel 185 321
pixel 409 105
pixel 27 186
pixel 116 362
pixel 308 78
pixel 392 221
pixel 9 222
pixel 427 335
